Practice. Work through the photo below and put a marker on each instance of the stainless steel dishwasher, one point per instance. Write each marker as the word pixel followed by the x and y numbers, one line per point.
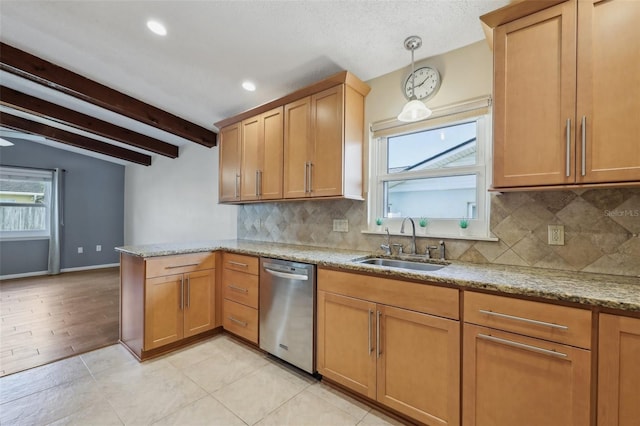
pixel 287 311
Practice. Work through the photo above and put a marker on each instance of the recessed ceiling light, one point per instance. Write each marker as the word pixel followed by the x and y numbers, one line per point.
pixel 156 27
pixel 249 86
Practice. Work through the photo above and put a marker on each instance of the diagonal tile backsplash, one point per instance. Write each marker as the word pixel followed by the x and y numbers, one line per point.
pixel 602 228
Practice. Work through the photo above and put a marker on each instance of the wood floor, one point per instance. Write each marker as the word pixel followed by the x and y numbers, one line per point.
pixel 48 318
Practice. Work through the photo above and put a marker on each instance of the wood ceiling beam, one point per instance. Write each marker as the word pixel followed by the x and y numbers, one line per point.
pixel 73 139
pixel 36 69
pixel 21 101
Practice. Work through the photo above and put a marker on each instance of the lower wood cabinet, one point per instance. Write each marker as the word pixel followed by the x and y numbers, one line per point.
pixel 166 299
pixel 406 360
pixel 178 306
pixel 240 289
pixel 618 371
pixel 518 379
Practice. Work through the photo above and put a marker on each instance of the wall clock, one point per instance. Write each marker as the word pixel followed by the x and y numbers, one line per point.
pixel 427 83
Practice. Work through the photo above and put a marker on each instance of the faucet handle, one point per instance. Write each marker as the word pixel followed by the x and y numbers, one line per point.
pixel 400 248
pixel 428 251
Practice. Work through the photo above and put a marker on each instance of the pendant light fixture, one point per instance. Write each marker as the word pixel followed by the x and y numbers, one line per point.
pixel 414 110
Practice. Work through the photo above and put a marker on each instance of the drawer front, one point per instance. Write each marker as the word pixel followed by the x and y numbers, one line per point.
pixel 240 287
pixel 240 320
pixel 178 264
pixel 241 262
pixel 425 298
pixel 571 326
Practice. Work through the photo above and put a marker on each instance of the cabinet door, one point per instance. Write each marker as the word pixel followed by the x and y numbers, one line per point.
pixel 534 89
pixel 419 365
pixel 346 342
pixel 199 311
pixel 609 90
pixel 509 379
pixel 252 148
pixel 297 136
pixel 272 157
pixel 163 315
pixel 327 136
pixel 618 371
pixel 229 164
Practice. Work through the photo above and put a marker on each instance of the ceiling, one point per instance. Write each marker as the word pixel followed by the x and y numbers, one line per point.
pixel 196 71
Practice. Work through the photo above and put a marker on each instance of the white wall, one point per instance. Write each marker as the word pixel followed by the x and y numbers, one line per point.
pixel 177 200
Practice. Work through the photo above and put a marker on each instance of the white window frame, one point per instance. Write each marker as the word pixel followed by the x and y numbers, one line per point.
pixel 30 174
pixel 477 110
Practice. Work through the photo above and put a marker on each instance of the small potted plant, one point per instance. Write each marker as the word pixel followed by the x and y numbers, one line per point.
pixel 423 222
pixel 464 224
pixel 379 222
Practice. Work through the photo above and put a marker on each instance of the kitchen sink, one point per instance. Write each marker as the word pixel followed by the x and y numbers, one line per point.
pixel 401 264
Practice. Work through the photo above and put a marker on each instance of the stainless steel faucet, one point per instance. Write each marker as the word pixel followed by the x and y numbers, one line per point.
pixel 413 236
pixel 387 247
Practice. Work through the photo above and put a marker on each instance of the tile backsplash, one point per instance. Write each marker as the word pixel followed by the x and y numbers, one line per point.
pixel 602 229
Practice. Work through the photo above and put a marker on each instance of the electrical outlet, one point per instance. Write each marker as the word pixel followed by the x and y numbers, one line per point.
pixel 80 250
pixel 556 235
pixel 98 247
pixel 340 225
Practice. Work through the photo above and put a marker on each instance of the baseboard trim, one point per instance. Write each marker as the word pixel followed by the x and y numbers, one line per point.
pixel 86 268
pixel 76 269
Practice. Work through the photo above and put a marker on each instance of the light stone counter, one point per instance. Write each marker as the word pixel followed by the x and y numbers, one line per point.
pixel 610 291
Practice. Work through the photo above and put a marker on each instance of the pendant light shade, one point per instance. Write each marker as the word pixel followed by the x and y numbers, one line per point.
pixel 414 110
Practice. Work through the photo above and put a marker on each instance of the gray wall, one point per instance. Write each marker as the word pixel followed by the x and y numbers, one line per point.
pixel 93 210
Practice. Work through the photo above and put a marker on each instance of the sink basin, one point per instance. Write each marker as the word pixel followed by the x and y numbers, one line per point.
pixel 402 264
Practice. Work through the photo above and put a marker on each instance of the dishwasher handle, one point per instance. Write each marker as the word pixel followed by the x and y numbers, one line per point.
pixel 287 275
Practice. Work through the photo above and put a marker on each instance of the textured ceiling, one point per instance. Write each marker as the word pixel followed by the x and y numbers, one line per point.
pixel 195 72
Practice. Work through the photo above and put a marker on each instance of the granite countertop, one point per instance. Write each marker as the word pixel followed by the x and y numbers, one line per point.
pixel 610 291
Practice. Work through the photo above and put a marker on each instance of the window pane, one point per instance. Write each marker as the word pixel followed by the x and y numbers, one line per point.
pixel 443 147
pixel 23 204
pixel 451 197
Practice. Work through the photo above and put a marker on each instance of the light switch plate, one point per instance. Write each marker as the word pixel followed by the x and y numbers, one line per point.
pixel 340 225
pixel 556 235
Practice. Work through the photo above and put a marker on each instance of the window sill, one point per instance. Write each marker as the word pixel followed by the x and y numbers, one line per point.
pixel 9 239
pixel 434 236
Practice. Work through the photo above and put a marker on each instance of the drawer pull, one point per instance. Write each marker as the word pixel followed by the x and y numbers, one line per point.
pixel 240 264
pixel 181 266
pixel 522 346
pixel 240 289
pixel 237 321
pixel 527 320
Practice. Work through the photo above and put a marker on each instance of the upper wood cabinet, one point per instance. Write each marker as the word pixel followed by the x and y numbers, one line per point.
pixel 566 93
pixel 321 138
pixel 229 163
pixel 261 170
pixel 306 144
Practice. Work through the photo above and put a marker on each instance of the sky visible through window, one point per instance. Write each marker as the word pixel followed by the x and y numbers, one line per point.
pixel 408 150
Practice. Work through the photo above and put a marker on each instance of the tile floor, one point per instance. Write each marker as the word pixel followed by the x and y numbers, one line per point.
pixel 217 382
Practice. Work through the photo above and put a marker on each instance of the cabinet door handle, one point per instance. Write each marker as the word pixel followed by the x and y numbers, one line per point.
pixel 522 346
pixel 237 321
pixel 188 291
pixel 378 348
pixel 235 190
pixel 568 147
pixel 306 175
pixel 370 318
pixel 240 264
pixel 240 289
pixel 527 320
pixel 584 145
pixel 182 293
pixel 181 266
pixel 259 183
pixel 310 177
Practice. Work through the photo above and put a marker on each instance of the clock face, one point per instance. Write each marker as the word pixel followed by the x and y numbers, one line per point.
pixel 427 83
